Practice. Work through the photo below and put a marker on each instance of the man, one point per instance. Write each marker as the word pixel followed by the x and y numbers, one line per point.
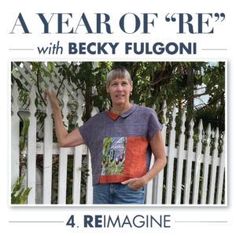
pixel 120 140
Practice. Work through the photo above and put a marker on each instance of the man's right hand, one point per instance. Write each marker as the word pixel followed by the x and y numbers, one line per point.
pixel 51 95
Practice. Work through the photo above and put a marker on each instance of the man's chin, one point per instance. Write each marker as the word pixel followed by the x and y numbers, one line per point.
pixel 119 103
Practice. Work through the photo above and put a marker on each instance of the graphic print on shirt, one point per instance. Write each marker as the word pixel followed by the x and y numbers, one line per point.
pixel 113 155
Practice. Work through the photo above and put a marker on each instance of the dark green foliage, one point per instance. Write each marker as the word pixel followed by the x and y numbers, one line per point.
pixel 182 84
pixel 19 194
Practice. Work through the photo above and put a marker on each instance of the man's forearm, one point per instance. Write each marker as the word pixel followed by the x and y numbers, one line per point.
pixel 61 131
pixel 158 165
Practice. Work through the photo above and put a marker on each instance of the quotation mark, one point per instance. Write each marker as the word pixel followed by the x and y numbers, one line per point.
pixel 172 17
pixel 219 16
pixel 169 18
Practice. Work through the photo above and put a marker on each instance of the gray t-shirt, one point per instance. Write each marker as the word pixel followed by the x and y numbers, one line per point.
pixel 119 145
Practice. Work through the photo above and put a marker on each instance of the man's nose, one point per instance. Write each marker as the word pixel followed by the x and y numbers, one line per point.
pixel 119 87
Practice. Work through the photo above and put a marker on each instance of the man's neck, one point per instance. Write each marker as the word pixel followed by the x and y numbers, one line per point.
pixel 121 109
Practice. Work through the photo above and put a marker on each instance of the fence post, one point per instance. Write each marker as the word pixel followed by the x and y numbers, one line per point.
pixel 213 169
pixel 180 158
pixel 206 166
pixel 189 160
pixel 77 164
pixel 63 158
pixel 15 134
pixel 197 164
pixel 31 157
pixel 89 199
pixel 170 162
pixel 221 175
pixel 47 163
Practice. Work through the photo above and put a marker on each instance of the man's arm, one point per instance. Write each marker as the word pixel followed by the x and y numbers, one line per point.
pixel 64 138
pixel 158 150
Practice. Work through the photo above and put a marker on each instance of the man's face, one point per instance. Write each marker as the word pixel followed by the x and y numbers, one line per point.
pixel 119 90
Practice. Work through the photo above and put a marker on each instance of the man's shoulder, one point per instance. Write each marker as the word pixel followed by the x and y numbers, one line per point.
pixel 144 109
pixel 99 115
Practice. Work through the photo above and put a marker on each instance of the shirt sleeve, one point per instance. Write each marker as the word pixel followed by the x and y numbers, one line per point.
pixel 154 124
pixel 85 131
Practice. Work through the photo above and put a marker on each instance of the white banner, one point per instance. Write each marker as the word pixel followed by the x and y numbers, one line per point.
pixel 116 31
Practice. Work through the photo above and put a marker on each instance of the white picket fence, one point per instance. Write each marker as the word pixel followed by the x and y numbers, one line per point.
pixel 194 174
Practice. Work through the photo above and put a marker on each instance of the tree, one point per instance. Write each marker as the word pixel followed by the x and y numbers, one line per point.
pixel 178 83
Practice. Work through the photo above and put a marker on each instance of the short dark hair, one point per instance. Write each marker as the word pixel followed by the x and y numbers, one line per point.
pixel 119 72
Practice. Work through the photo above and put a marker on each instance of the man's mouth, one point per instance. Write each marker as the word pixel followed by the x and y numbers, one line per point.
pixel 119 95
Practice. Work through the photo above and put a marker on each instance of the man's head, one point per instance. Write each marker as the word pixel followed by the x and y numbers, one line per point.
pixel 119 86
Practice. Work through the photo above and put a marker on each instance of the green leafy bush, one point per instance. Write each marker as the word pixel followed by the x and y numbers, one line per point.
pixel 19 194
